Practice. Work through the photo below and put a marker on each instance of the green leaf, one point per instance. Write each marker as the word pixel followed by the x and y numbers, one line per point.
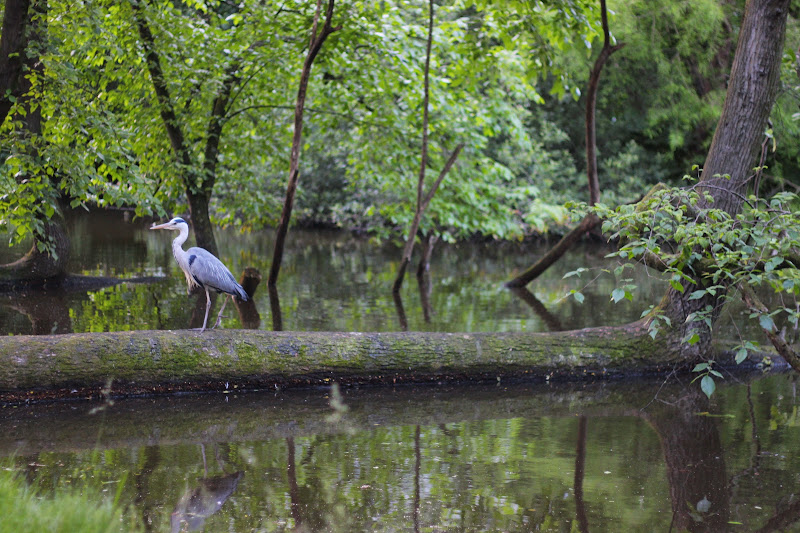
pixel 696 295
pixel 617 295
pixel 741 355
pixel 699 367
pixel 694 339
pixel 577 272
pixel 578 296
pixel 707 385
pixel 676 285
pixel 766 322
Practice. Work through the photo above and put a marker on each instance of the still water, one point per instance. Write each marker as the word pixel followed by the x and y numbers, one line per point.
pixel 644 456
pixel 583 457
pixel 329 281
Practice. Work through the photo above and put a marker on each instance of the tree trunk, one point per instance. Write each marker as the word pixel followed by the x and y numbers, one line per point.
pixel 590 221
pixel 752 89
pixel 37 267
pixel 170 361
pixel 13 45
pixel 201 221
pixel 555 253
pixel 46 265
pixel 591 107
pixel 197 196
pixel 422 207
pixel 315 45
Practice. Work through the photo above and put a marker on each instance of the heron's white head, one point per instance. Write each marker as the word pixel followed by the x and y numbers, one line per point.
pixel 175 224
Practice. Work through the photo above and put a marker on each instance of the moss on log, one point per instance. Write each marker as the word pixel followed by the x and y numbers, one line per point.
pixel 141 362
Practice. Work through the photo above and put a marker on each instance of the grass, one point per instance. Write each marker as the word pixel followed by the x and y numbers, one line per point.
pixel 24 509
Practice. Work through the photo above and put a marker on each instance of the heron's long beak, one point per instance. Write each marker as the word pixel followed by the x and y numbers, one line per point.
pixel 165 225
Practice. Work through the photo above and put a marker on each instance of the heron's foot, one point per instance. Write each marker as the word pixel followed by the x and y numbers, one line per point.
pixel 199 330
pixel 219 321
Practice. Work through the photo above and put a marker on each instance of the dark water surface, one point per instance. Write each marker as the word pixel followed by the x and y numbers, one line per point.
pixel 591 457
pixel 329 281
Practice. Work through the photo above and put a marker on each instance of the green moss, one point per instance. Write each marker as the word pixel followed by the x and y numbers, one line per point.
pixel 156 357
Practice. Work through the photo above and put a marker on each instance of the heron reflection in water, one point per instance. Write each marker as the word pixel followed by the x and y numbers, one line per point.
pixel 202 269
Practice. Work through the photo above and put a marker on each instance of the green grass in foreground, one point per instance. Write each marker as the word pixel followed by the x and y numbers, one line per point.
pixel 24 509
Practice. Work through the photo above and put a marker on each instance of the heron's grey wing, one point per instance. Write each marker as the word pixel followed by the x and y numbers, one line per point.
pixel 210 272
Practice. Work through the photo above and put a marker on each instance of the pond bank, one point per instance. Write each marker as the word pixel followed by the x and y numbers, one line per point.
pixel 95 365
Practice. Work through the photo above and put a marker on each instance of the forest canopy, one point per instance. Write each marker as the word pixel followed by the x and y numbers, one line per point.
pixel 506 80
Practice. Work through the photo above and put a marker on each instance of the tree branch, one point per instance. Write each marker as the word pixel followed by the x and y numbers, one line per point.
pixel 315 45
pixel 781 346
pixel 168 116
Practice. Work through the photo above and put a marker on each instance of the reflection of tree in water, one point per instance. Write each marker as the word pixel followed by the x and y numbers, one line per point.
pixel 701 492
pixel 698 483
pixel 580 470
pixel 142 480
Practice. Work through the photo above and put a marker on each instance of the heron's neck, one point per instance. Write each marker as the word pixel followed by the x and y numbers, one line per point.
pixel 182 257
pixel 177 245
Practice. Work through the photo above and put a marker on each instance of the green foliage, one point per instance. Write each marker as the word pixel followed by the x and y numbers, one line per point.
pixel 493 65
pixel 484 61
pixel 703 251
pixel 105 144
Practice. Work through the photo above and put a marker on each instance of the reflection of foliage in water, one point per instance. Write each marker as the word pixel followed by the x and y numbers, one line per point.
pixel 488 459
pixel 126 308
pixel 330 281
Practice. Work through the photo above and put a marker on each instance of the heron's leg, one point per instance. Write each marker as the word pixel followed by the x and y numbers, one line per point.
pixel 219 316
pixel 208 308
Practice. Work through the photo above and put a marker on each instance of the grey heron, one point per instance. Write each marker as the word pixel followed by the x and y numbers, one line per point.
pixel 202 269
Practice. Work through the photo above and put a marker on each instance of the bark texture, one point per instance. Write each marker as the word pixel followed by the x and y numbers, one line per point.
pixel 728 167
pixel 166 361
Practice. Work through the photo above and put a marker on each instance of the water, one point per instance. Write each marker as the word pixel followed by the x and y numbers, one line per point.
pixel 329 281
pixel 434 458
pixel 644 456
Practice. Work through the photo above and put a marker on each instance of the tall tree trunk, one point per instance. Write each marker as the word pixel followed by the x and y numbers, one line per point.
pixel 49 262
pixel 315 45
pixel 423 199
pixel 728 167
pixel 198 192
pixel 13 44
pixel 201 221
pixel 590 221
pixel 422 207
pixel 591 107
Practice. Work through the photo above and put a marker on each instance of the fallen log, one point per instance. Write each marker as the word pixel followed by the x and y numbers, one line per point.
pixel 80 365
pixel 94 365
